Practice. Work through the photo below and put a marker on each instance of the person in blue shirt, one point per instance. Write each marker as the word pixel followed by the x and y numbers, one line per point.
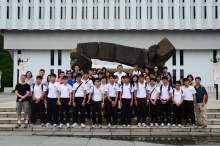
pixel 70 80
pixel 200 109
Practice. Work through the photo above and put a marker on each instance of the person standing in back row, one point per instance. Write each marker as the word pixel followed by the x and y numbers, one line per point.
pixel 22 91
pixel 119 73
pixel 189 103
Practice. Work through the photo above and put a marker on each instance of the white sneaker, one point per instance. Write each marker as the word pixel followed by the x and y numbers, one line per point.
pixel 179 126
pixel 42 124
pixel 47 125
pixel 55 125
pixel 139 125
pixel 162 124
pixel 109 125
pixel 152 124
pixel 144 125
pixel 61 125
pixel 74 125
pixel 129 126
pixel 100 126
pixel 123 126
pixel 168 124
pixel 187 125
pixel 67 125
pixel 83 125
pixel 194 126
pixel 156 124
pixel 93 126
pixel 115 126
pixel 173 125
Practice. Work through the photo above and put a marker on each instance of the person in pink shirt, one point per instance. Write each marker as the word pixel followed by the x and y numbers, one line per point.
pixel 60 80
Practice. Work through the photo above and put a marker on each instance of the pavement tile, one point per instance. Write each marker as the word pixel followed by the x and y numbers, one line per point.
pixel 82 133
pixel 160 133
pixel 121 133
pixel 66 141
pixel 103 142
pixel 25 133
pixel 62 133
pixel 6 133
pixel 140 133
pixel 101 133
pixel 45 133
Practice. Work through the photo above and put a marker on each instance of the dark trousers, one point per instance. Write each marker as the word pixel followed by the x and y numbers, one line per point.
pixel 141 110
pixel 65 107
pixel 52 110
pixel 177 113
pixel 97 107
pixel 154 110
pixel 126 111
pixel 166 108
pixel 88 108
pixel 111 112
pixel 37 108
pixel 78 101
pixel 189 109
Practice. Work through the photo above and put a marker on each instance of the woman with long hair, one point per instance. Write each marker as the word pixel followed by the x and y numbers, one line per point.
pixel 147 71
pixel 107 74
pixel 156 71
pixel 134 82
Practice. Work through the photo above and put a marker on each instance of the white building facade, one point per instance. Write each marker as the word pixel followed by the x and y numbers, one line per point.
pixel 45 31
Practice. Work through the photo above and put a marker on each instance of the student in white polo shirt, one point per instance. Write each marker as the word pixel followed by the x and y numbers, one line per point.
pixel 153 96
pixel 126 102
pixel 96 99
pixel 64 101
pixel 177 98
pixel 38 91
pixel 165 98
pixel 189 103
pixel 89 84
pixel 140 95
pixel 79 99
pixel 52 108
pixel 111 91
pixel 119 73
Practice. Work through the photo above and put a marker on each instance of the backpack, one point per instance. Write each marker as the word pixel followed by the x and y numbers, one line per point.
pixel 162 87
pixel 122 88
pixel 41 87
pixel 206 95
pixel 174 91
pixel 138 85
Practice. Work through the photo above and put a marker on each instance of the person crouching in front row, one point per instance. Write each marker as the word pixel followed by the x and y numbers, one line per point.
pixel 96 99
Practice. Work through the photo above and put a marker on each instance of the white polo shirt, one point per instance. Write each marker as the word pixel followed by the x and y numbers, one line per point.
pixel 178 95
pixel 119 76
pixel 141 90
pixel 43 81
pixel 97 93
pixel 153 95
pixel 65 90
pixel 37 91
pixel 89 84
pixel 165 93
pixel 188 93
pixel 112 89
pixel 127 90
pixel 158 84
pixel 80 90
pixel 136 72
pixel 53 89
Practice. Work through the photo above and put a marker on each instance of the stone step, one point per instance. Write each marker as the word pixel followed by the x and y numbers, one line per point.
pixel 121 131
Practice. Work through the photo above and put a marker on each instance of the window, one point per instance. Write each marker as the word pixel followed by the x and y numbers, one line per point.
pixel 216 12
pixel 174 76
pixel 40 1
pixel 150 12
pixel 17 75
pixel 51 13
pixel 29 1
pixel 19 1
pixel 129 14
pixel 115 12
pixel 39 12
pixel 61 13
pixel 183 13
pixel 18 12
pixel 136 12
pixel 104 13
pixel 72 13
pixel 147 12
pixel 118 12
pixel 59 70
pixel 7 12
pixel 75 12
pixel 51 1
pixel 194 1
pixel 172 13
pixel 52 57
pixel 93 12
pixel 161 12
pixel 204 0
pixel 59 57
pixel 108 12
pixel 125 12
pixel 181 73
pixel 29 13
pixel 181 57
pixel 8 1
pixel 174 59
pixel 204 12
pixel 19 52
pixel 140 12
pixel 194 12
pixel 61 1
pixel 82 12
pixel 51 71
pixel 86 12
pixel 97 13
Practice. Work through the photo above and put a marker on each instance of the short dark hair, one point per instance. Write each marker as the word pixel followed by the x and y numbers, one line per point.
pixel 100 73
pixel 185 79
pixel 62 72
pixel 198 78
pixel 135 64
pixel 65 77
pixel 158 76
pixel 103 68
pixel 68 71
pixel 178 82
pixel 112 76
pixel 190 76
pixel 91 69
pixel 86 72
pixel 164 67
pixel 79 75
pixel 119 66
pixel 98 79
pixel 42 70
pixel 153 79
pixel 141 76
pixel 151 73
pixel 126 77
pixel 39 77
pixel 165 78
pixel 53 75
pixel 28 72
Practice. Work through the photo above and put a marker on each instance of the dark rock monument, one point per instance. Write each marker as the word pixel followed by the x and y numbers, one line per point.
pixel 145 58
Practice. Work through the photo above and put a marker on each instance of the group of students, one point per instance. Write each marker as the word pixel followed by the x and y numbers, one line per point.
pixel 149 95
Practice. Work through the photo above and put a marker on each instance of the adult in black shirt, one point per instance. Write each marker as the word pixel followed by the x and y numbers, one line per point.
pixel 22 91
